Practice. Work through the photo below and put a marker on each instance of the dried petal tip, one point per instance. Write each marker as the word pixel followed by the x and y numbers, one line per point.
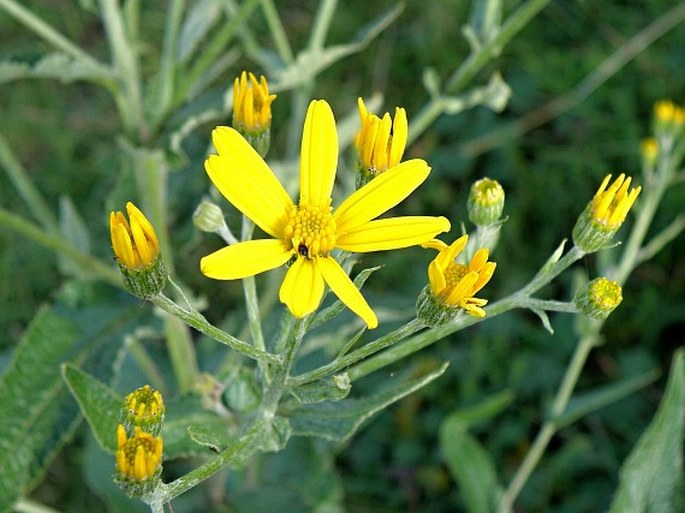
pixel 136 249
pixel 138 462
pixel 380 142
pixel 599 298
pixel 486 202
pixel 252 110
pixel 143 408
pixel 605 214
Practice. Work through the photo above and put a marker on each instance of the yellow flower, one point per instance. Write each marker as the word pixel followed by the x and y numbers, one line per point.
pixel 605 214
pixel 310 230
pixel 138 457
pixel 610 206
pixel 251 102
pixel 599 298
pixel 143 408
pixel 135 244
pixel 380 142
pixel 455 284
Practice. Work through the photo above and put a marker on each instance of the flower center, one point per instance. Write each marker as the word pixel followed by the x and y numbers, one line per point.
pixel 311 230
pixel 454 273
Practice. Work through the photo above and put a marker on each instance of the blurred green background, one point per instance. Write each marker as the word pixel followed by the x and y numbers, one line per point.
pixel 63 134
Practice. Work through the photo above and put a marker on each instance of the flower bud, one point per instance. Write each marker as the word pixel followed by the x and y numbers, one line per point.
pixel 252 111
pixel 486 202
pixel 453 285
pixel 649 149
pixel 136 249
pixel 208 217
pixel 669 118
pixel 605 214
pixel 138 462
pixel 599 298
pixel 380 142
pixel 143 408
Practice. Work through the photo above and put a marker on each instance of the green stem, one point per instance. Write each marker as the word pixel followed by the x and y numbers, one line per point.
pixel 126 64
pixel 27 190
pixel 234 455
pixel 520 299
pixel 355 356
pixel 45 31
pixel 213 50
pixel 549 428
pixel 277 31
pixel 166 74
pixel 475 62
pixel 281 373
pixel 60 246
pixel 252 303
pixel 322 22
pixel 198 321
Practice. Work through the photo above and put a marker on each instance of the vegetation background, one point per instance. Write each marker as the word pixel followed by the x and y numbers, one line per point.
pixel 62 133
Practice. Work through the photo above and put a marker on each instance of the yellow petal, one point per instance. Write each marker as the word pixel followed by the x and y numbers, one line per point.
pixel 319 155
pixel 447 257
pixel 463 289
pixel 302 287
pixel 245 259
pixel 343 287
pixel 436 277
pixel 380 194
pixel 245 180
pixel 392 233
pixel 400 133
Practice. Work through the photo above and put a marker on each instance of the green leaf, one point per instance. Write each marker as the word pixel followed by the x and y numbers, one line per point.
pixel 59 66
pixel 199 21
pixel 652 479
pixel 99 403
pixel 468 462
pixel 340 420
pixel 312 62
pixel 182 435
pixel 586 403
pixel 75 232
pixel 29 388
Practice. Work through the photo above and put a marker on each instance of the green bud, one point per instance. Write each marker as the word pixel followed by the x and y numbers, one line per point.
pixel 143 408
pixel 599 298
pixel 433 312
pixel 486 202
pixel 208 217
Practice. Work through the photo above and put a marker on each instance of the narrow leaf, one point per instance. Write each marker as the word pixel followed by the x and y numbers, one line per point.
pixel 470 466
pixel 57 66
pixel 75 232
pixel 583 404
pixel 652 478
pixel 199 21
pixel 340 420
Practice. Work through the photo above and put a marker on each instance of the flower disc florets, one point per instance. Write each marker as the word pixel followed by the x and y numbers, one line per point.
pixel 599 298
pixel 311 230
pixel 143 408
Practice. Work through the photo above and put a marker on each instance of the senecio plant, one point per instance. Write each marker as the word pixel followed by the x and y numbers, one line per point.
pixel 305 235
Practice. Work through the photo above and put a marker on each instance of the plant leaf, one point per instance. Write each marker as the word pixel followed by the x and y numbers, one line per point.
pixel 99 404
pixel 652 476
pixel 29 408
pixel 59 66
pixel 199 21
pixel 341 419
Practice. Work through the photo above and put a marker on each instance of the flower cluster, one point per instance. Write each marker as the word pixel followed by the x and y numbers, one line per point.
pixel 306 234
pixel 139 447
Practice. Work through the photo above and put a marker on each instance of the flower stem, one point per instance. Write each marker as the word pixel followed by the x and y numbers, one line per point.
pixel 363 352
pixel 549 428
pixel 198 321
pixel 277 31
pixel 237 453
